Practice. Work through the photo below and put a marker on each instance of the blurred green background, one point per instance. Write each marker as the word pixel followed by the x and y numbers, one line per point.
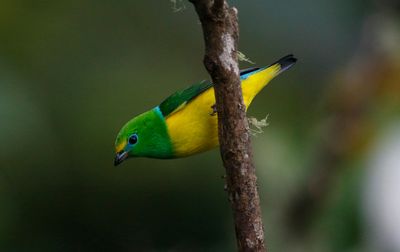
pixel 73 72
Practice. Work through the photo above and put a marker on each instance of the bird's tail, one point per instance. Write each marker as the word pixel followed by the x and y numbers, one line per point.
pixel 254 80
pixel 284 63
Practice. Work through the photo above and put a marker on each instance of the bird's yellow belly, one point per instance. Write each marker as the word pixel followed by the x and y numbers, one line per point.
pixel 194 129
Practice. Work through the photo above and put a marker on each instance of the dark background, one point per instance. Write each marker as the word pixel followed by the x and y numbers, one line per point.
pixel 73 72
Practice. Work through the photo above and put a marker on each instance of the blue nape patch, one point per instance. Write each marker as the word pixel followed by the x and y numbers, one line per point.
pixel 158 112
pixel 244 74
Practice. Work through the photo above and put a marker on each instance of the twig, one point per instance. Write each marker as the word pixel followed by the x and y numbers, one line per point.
pixel 221 34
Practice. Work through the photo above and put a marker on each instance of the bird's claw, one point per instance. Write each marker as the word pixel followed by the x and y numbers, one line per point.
pixel 214 110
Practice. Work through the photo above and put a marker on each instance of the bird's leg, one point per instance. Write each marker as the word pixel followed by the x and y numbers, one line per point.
pixel 214 110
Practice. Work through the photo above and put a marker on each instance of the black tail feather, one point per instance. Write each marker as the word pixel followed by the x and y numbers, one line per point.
pixel 285 62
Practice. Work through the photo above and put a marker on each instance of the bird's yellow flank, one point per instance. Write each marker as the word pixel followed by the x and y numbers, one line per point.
pixel 193 129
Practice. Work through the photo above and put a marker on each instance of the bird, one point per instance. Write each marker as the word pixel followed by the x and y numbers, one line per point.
pixel 186 123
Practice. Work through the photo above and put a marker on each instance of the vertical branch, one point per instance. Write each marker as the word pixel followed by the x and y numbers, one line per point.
pixel 221 34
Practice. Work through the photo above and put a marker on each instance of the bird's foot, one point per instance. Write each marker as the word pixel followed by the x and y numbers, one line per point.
pixel 214 110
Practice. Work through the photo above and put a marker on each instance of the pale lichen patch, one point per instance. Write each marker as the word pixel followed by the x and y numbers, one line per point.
pixel 177 5
pixel 250 243
pixel 225 57
pixel 243 57
pixel 256 126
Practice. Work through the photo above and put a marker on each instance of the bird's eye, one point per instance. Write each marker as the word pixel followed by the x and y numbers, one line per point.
pixel 133 139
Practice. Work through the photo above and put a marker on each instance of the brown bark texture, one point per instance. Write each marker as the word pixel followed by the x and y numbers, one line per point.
pixel 221 34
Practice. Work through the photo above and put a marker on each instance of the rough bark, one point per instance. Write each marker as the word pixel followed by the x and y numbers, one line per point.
pixel 221 34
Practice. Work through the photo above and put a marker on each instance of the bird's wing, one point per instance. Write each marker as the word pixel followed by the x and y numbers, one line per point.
pixel 248 70
pixel 179 99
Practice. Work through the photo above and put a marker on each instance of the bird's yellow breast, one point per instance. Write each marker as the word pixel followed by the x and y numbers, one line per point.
pixel 194 129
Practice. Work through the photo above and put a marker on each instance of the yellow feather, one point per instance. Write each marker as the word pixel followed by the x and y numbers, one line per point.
pixel 193 129
pixel 120 146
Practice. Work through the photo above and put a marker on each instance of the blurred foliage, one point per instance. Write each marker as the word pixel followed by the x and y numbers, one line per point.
pixel 72 72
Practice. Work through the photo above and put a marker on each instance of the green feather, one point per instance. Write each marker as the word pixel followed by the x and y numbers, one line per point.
pixel 179 99
pixel 153 139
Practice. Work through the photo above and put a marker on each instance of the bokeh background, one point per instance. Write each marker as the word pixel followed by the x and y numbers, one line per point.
pixel 73 72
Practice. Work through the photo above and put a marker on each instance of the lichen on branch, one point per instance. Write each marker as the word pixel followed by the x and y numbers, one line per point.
pixel 221 33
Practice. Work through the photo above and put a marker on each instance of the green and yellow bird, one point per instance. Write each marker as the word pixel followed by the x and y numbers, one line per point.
pixel 184 124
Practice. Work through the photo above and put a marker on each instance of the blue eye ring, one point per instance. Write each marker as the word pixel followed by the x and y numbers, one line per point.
pixel 133 139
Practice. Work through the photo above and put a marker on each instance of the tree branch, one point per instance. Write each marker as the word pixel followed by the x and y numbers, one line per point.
pixel 221 34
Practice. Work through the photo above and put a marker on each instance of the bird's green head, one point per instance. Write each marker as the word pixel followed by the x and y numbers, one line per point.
pixel 143 136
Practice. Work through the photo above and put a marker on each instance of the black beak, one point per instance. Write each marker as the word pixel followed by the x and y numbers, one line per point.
pixel 120 157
